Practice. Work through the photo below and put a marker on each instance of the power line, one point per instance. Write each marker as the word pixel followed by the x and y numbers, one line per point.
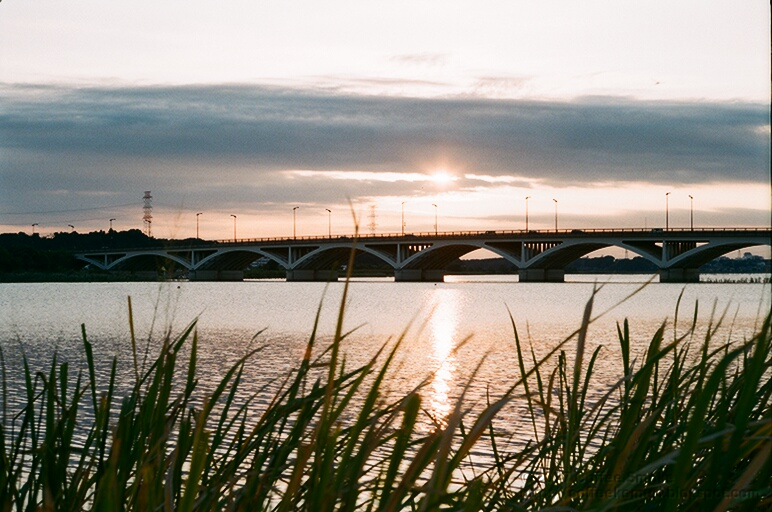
pixel 72 210
pixel 59 221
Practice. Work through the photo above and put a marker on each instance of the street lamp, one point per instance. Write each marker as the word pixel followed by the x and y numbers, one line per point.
pixel 329 222
pixel 526 211
pixel 691 212
pixel 403 218
pixel 556 215
pixel 71 227
pixel 435 219
pixel 234 227
pixel 294 222
pixel 33 227
pixel 667 211
pixel 199 213
pixel 111 223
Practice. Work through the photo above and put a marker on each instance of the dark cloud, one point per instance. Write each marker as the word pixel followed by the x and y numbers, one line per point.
pixel 209 139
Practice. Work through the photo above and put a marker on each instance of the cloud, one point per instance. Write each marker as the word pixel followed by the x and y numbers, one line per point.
pixel 240 142
pixel 389 177
pixel 492 179
pixel 499 86
pixel 421 59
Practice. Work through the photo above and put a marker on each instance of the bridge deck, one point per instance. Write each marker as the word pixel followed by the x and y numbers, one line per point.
pixel 640 233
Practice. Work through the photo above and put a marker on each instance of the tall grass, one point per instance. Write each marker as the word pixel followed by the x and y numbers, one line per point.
pixel 686 427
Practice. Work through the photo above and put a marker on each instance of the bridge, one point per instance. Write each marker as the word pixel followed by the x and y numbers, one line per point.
pixel 539 256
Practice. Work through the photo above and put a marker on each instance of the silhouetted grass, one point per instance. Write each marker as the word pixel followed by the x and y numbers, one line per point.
pixel 688 426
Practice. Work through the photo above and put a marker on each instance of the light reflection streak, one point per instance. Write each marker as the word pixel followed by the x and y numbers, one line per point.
pixel 443 326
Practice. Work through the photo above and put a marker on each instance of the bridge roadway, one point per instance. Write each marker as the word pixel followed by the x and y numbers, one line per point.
pixel 539 256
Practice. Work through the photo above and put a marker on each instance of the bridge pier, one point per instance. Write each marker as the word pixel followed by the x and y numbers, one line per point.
pixel 541 275
pixel 679 275
pixel 216 275
pixel 407 275
pixel 312 275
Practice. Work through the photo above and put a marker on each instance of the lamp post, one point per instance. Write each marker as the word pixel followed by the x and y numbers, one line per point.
pixel 403 218
pixel 691 212
pixel 111 223
pixel 71 227
pixel 526 211
pixel 199 213
pixel 33 227
pixel 667 211
pixel 556 215
pixel 294 222
pixel 435 219
pixel 234 227
pixel 329 222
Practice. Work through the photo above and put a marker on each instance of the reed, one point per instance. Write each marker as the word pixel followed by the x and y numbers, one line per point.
pixel 688 426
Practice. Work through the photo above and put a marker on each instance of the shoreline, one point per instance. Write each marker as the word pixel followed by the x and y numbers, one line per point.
pixel 88 277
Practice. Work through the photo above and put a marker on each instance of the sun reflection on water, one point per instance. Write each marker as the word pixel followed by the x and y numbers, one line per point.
pixel 443 326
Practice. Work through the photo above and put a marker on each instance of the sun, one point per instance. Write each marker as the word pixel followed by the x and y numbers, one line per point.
pixel 442 177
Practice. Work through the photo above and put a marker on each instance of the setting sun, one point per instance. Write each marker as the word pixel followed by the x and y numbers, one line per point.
pixel 442 177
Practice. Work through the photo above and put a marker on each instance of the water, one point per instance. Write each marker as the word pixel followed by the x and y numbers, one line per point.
pixel 451 327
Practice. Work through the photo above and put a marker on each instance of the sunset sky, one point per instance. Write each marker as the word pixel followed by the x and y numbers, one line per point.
pixel 252 108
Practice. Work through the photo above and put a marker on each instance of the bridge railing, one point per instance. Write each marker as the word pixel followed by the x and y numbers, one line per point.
pixel 446 234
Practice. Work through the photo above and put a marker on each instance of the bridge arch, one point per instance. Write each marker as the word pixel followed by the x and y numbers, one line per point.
pixel 559 256
pixel 429 263
pixel 228 264
pixel 88 260
pixel 438 256
pixel 138 261
pixel 235 258
pixel 326 257
pixel 703 254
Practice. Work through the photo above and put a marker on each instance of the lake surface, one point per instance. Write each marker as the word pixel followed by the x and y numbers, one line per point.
pixel 450 326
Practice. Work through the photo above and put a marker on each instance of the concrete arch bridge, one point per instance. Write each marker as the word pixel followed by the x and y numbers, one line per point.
pixel 539 256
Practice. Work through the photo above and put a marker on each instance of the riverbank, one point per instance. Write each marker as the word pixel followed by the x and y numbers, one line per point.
pixel 91 276
pixel 84 276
